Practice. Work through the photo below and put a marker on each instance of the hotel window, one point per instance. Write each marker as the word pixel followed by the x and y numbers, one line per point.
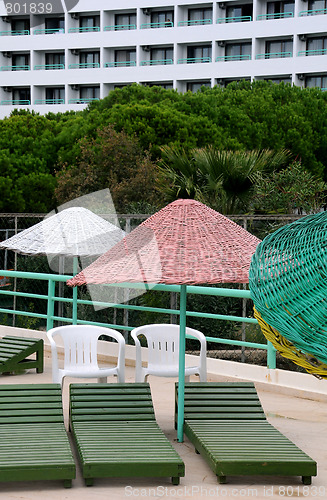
pixel 20 62
pixel 92 92
pixel 240 12
pixel 20 25
pixel 89 21
pixel 196 86
pixel 200 14
pixel 125 21
pixel 238 51
pixel 317 4
pixel 199 52
pixel 319 81
pixel 122 56
pixel 316 46
pixel 54 60
pixel 279 48
pixel 280 9
pixel 23 94
pixel 55 94
pixel 165 18
pixel 165 55
pixel 55 23
pixel 90 59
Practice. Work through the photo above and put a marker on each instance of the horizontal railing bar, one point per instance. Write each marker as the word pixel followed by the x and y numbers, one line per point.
pixel 31 275
pixel 236 342
pixel 223 317
pixel 24 294
pixel 23 313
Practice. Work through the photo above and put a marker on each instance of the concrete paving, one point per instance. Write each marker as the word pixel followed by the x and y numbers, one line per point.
pixel 304 421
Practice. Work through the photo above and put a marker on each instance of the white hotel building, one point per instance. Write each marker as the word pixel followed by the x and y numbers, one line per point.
pixel 60 61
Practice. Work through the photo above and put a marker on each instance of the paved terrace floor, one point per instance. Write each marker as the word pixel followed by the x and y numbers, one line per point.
pixel 304 421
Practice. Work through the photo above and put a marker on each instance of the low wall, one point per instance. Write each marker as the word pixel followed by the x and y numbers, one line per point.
pixel 283 381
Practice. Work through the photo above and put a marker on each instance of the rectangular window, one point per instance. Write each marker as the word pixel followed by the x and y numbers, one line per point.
pixel 23 94
pixel 90 58
pixel 165 55
pixel 319 81
pixel 55 23
pixel 125 21
pixel 316 45
pixel 162 17
pixel 128 55
pixel 90 92
pixel 200 14
pixel 89 21
pixel 20 25
pixel 55 93
pixel 279 48
pixel 280 8
pixel 55 59
pixel 239 51
pixel 199 52
pixel 239 13
pixel 20 62
pixel 195 86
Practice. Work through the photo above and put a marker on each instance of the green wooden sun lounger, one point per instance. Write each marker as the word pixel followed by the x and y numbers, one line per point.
pixel 226 424
pixel 33 441
pixel 14 352
pixel 116 433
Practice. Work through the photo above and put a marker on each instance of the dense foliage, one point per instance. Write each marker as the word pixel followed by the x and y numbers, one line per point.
pixel 242 117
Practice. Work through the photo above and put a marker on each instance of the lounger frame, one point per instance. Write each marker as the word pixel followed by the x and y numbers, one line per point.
pixel 226 424
pixel 14 353
pixel 116 434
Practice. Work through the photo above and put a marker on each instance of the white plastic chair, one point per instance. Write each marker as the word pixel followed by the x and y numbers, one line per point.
pixel 163 352
pixel 80 353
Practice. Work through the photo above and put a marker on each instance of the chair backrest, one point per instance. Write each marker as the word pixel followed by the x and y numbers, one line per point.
pixel 80 343
pixel 163 343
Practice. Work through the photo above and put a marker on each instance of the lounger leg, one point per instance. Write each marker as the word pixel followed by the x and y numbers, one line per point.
pixel 89 481
pixel 67 483
pixel 175 481
pixel 221 479
pixel 40 358
pixel 102 380
pixel 306 480
pixel 196 451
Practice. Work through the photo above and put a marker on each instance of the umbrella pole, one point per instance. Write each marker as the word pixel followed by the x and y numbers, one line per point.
pixel 75 270
pixel 181 376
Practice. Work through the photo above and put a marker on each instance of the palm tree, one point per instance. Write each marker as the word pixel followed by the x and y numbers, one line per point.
pixel 222 179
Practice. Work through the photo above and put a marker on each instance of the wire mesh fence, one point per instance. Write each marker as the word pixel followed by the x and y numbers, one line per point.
pixel 260 226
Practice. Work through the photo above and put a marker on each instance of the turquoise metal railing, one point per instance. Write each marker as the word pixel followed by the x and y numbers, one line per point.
pixel 83 100
pixel 165 24
pixel 195 22
pixel 16 102
pixel 236 19
pixel 238 57
pixel 276 15
pixel 18 67
pixel 118 64
pixel 155 62
pixel 49 101
pixel 51 299
pixel 312 12
pixel 192 60
pixel 14 33
pixel 314 52
pixel 49 31
pixel 274 55
pixel 84 29
pixel 49 66
pixel 84 65
pixel 120 27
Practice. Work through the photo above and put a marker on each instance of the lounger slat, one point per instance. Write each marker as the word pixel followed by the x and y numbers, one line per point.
pixel 33 439
pixel 233 444
pixel 119 436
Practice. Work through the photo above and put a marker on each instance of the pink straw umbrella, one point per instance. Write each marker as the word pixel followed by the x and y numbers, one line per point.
pixel 185 243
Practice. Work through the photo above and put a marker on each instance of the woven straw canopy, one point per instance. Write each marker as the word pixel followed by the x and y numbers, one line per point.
pixel 289 287
pixel 75 231
pixel 184 243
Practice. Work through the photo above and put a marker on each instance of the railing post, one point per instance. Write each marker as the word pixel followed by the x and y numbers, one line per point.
pixel 271 356
pixel 50 308
pixel 75 269
pixel 181 376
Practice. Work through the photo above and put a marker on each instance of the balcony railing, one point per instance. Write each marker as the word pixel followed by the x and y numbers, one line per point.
pixel 274 55
pixel 83 100
pixel 84 29
pixel 314 52
pixel 49 66
pixel 49 101
pixel 118 64
pixel 276 15
pixel 312 12
pixel 120 27
pixel 236 19
pixel 194 60
pixel 53 297
pixel 15 102
pixel 84 65
pixel 156 62
pixel 236 57
pixel 18 67
pixel 165 24
pixel 49 31
pixel 195 22
pixel 14 32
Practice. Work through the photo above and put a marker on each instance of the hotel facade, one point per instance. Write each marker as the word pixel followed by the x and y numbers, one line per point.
pixel 54 59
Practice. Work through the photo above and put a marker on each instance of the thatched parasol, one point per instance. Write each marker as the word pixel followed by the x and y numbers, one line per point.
pixel 184 243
